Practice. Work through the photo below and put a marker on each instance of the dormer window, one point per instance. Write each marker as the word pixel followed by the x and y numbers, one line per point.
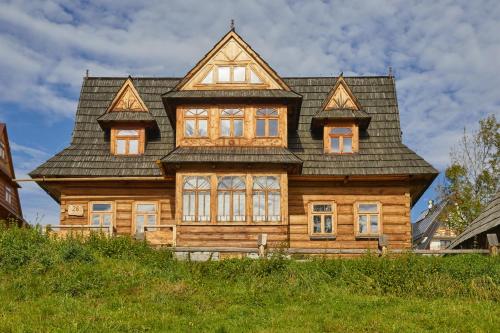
pixel 231 123
pixel 196 123
pixel 231 74
pixel 341 139
pixel 127 141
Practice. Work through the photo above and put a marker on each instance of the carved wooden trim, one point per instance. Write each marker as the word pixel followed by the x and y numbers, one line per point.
pixel 127 99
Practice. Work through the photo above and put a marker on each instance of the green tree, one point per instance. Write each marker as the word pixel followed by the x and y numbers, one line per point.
pixel 472 179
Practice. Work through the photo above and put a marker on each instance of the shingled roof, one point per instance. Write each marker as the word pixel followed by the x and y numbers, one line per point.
pixel 426 226
pixel 487 221
pixel 381 150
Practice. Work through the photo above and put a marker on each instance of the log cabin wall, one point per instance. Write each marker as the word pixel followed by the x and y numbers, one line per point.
pixel 394 199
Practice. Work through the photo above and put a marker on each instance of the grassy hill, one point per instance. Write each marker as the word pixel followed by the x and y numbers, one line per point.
pixel 106 285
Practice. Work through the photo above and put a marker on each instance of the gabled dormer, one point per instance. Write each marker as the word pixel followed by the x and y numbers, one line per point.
pixel 127 119
pixel 340 119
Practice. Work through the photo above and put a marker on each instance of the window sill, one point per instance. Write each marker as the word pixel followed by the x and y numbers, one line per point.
pixel 323 237
pixel 373 236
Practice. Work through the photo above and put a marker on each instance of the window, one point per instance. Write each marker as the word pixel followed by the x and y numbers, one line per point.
pixel 231 123
pixel 224 73
pixel 2 150
pixel 368 218
pixel 196 123
pixel 322 219
pixel 231 195
pixel 340 140
pixel 266 198
pixel 101 214
pixel 231 74
pixel 9 194
pixel 266 123
pixel 145 214
pixel 196 199
pixel 128 141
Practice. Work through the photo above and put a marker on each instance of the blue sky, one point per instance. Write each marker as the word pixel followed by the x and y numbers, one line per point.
pixel 445 56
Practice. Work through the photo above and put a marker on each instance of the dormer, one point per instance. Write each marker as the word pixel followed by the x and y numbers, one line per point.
pixel 127 119
pixel 340 118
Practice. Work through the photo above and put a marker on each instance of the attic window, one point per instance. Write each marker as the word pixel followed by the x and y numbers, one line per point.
pixel 232 74
pixel 341 139
pixel 127 141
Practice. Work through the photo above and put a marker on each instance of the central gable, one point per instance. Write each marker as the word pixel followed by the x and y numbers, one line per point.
pixel 232 64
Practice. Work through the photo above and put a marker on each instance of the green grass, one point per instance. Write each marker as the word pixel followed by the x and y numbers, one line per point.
pixel 101 285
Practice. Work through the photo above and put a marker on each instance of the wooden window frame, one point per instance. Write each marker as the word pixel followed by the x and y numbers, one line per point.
pixel 9 194
pixel 266 192
pixel 136 213
pixel 354 138
pixel 112 212
pixel 266 119
pixel 231 199
pixel 368 234
pixel 231 122
pixel 311 213
pixel 115 137
pixel 196 119
pixel 196 192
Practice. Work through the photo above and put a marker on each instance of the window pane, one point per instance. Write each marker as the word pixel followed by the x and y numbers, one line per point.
pixel 374 223
pixel 273 127
pixel 189 127
pixel 95 219
pixel 341 130
pixel 347 145
pixel 188 206
pixel 225 127
pixel 202 127
pixel 368 208
pixel 209 78
pixel 238 127
pixel 120 146
pixel 106 220
pixel 223 206
pixel 239 206
pixel 101 207
pixel 203 206
pixel 261 127
pixel 274 207
pixel 328 224
pixel 128 133
pixel 259 206
pixel 133 147
pixel 316 223
pixel 272 183
pixel 254 78
pixel 151 219
pixel 267 112
pixel 322 208
pixel 146 208
pixel 139 223
pixel 239 74
pixel 334 145
pixel 362 222
pixel 203 183
pixel 224 73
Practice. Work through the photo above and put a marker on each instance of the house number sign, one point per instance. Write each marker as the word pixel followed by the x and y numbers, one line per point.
pixel 75 210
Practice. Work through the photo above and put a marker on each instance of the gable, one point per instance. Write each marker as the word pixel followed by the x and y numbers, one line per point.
pixel 127 99
pixel 341 97
pixel 232 64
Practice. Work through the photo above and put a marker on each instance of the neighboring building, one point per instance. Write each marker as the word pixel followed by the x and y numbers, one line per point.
pixel 232 151
pixel 10 206
pixel 429 232
pixel 475 235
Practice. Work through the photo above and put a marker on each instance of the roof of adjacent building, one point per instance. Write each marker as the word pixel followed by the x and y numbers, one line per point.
pixel 381 150
pixel 426 225
pixel 487 220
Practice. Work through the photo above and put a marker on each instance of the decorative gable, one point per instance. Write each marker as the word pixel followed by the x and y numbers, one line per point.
pixel 341 97
pixel 127 99
pixel 232 64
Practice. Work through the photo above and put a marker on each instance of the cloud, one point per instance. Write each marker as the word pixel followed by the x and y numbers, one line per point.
pixel 444 53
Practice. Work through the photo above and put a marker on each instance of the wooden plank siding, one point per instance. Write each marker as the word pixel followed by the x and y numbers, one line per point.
pixel 292 232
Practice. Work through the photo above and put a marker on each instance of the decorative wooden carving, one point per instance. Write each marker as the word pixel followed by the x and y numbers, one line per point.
pixel 231 51
pixel 341 97
pixel 127 99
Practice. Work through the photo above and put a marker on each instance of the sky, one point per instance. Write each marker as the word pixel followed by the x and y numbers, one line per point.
pixel 444 54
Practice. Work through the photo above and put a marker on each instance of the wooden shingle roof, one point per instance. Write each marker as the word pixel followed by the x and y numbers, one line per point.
pixel 381 150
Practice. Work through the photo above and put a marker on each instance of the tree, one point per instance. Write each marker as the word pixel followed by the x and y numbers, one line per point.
pixel 472 179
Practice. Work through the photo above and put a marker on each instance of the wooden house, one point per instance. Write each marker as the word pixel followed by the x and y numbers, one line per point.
pixel 430 232
pixel 10 205
pixel 232 151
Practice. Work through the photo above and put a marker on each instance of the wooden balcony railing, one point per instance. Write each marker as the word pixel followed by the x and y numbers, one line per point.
pixel 161 235
pixel 77 229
